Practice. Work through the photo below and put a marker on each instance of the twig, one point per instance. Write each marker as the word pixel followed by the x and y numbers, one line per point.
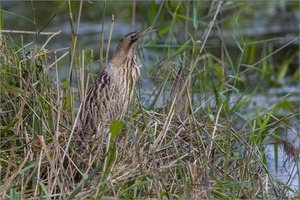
pixel 74 43
pixel 133 15
pixel 28 32
pixel 110 36
pixel 211 23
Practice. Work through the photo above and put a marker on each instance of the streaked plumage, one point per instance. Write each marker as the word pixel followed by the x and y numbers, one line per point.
pixel 108 96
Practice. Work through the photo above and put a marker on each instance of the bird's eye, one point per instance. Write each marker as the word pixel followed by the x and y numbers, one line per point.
pixel 132 37
pixel 135 36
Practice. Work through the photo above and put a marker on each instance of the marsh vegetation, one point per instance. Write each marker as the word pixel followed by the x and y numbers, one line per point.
pixel 218 94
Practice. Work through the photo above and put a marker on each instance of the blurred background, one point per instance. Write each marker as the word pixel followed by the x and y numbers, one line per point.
pixel 274 21
pixel 259 35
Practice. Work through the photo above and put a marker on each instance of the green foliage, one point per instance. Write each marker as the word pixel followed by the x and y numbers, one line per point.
pixel 201 132
pixel 115 128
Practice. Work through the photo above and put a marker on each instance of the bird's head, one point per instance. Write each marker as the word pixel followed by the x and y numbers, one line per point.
pixel 128 43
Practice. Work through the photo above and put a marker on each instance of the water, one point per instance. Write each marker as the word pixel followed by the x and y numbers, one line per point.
pixel 90 35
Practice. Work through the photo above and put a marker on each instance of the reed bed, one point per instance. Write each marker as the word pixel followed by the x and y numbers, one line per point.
pixel 192 136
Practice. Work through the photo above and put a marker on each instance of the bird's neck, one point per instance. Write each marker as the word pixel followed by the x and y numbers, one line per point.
pixel 127 66
pixel 124 61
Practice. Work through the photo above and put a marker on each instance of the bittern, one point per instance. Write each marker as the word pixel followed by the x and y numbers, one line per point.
pixel 108 96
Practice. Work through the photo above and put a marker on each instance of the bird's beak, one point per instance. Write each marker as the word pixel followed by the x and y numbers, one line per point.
pixel 143 33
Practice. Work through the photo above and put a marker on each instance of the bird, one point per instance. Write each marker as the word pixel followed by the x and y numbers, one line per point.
pixel 108 96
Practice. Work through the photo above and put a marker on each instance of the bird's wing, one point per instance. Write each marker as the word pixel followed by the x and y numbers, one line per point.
pixel 95 100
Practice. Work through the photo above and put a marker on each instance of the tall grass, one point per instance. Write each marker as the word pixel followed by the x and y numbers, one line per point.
pixel 195 136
